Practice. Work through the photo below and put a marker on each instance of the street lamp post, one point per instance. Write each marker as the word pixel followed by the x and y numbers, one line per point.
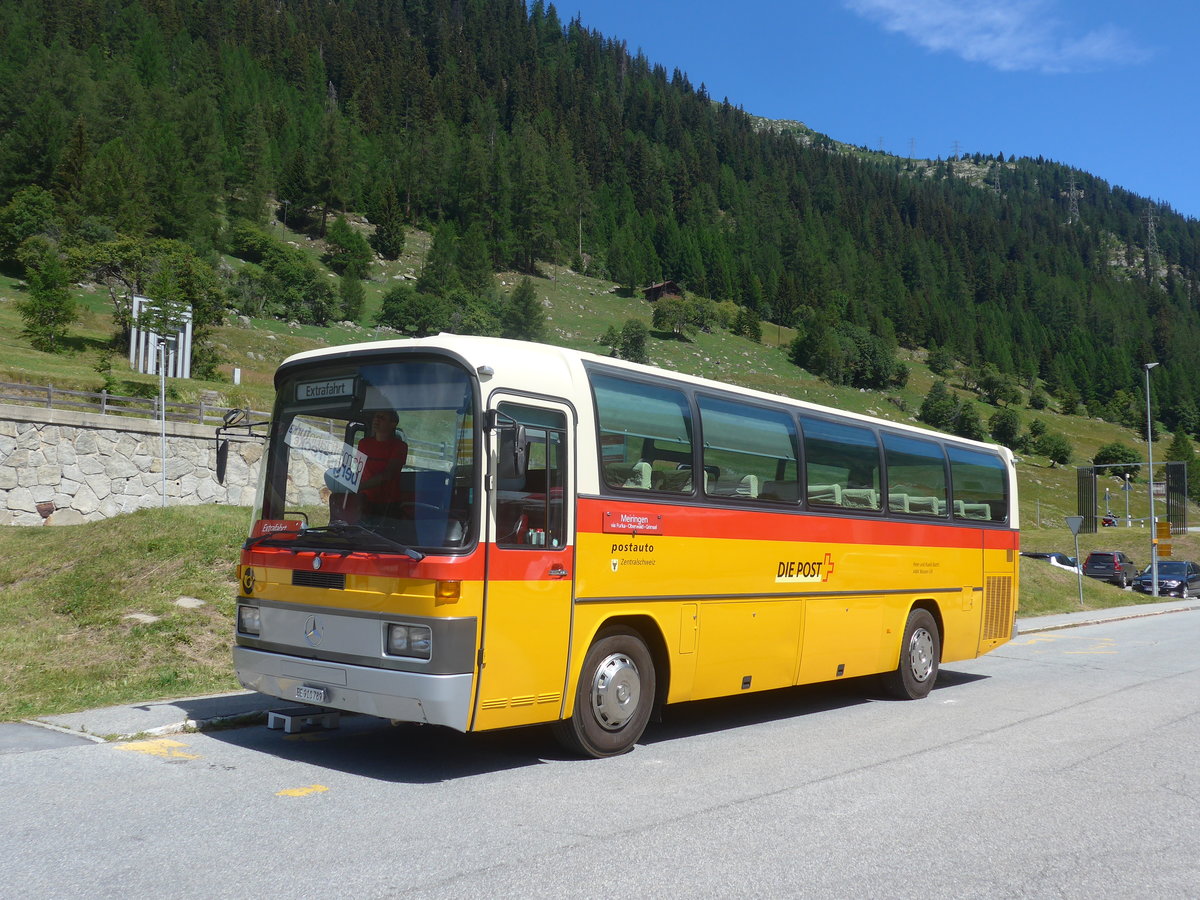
pixel 1150 457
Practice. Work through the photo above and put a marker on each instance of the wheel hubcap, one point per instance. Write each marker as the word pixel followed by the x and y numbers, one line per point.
pixel 616 690
pixel 920 654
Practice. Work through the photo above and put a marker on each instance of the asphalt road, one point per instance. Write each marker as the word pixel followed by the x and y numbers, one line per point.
pixel 1062 765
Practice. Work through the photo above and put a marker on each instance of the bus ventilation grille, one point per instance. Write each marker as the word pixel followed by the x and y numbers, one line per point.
pixel 997 607
pixel 334 580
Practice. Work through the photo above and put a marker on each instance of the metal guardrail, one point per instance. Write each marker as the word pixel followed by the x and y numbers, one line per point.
pixel 106 404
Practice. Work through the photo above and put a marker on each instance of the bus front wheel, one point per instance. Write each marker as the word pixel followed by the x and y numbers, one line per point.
pixel 920 653
pixel 613 698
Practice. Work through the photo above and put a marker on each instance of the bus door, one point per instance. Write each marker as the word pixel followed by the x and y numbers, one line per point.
pixel 530 567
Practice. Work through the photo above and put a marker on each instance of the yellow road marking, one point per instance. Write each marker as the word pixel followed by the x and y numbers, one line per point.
pixel 164 748
pixel 302 791
pixel 1098 645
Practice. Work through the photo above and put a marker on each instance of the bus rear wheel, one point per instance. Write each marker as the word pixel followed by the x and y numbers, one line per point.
pixel 613 698
pixel 920 654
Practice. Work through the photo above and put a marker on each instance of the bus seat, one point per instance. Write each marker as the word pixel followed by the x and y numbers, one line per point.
pixel 780 490
pixel 344 508
pixel 640 476
pixel 977 511
pixel 747 487
pixel 898 502
pixel 860 498
pixel 511 525
pixel 925 506
pixel 677 482
pixel 456 531
pixel 825 494
pixel 620 474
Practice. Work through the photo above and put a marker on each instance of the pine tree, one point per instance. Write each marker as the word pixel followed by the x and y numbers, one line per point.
pixel 1055 446
pixel 940 408
pixel 388 239
pixel 348 251
pixel 1181 450
pixel 522 316
pixel 1005 427
pixel 439 275
pixel 967 423
pixel 634 336
pixel 474 262
pixel 352 297
pixel 49 308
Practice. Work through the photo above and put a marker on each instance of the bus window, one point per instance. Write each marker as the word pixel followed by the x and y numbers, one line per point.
pixel 979 484
pixel 916 472
pixel 749 453
pixel 841 465
pixel 529 509
pixel 645 435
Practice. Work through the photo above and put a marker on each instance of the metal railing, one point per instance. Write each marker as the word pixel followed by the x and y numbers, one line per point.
pixel 106 404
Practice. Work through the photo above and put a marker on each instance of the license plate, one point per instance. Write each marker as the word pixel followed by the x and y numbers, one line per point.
pixel 311 694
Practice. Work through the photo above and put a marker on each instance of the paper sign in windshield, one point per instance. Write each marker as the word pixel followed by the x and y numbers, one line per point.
pixel 343 464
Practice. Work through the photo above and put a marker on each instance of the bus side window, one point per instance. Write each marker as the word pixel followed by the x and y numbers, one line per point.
pixel 530 509
pixel 746 449
pixel 979 482
pixel 916 472
pixel 841 464
pixel 645 434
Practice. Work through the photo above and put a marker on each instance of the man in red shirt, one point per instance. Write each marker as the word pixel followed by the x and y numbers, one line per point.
pixel 386 455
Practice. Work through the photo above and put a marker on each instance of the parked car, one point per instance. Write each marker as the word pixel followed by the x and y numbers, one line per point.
pixel 1112 566
pixel 1176 578
pixel 1060 560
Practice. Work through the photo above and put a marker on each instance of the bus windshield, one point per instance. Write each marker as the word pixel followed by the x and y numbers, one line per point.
pixel 374 454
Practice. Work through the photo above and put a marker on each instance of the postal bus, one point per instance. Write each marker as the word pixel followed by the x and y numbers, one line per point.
pixel 577 540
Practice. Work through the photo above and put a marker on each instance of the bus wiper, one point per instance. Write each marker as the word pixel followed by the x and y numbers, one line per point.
pixel 345 529
pixel 294 540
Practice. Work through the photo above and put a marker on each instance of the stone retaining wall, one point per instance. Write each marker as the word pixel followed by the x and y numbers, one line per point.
pixel 62 468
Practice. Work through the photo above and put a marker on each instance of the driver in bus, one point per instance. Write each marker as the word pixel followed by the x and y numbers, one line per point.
pixel 386 454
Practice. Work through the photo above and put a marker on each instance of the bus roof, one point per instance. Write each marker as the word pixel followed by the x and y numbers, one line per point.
pixel 534 366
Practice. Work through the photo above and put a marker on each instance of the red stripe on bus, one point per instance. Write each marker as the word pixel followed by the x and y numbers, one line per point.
pixel 769 525
pixel 431 568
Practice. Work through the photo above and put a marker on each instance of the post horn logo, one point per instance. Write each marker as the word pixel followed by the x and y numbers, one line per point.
pixel 247 581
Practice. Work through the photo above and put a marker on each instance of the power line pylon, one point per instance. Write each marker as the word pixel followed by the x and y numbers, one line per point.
pixel 1073 195
pixel 1151 242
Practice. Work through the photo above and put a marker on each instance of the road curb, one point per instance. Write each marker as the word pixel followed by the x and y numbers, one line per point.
pixel 1098 617
pixel 163 717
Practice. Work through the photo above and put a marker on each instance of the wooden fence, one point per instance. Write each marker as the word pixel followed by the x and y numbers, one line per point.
pixel 106 404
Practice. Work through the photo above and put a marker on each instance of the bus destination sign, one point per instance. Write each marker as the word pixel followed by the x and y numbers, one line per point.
pixel 333 389
pixel 618 522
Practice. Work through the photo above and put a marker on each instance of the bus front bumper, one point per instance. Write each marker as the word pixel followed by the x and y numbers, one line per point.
pixel 402 696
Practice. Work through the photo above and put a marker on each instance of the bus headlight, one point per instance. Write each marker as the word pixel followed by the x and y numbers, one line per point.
pixel 410 640
pixel 249 620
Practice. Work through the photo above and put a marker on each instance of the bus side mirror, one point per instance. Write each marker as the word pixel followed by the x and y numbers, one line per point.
pixel 234 417
pixel 514 447
pixel 514 444
pixel 222 459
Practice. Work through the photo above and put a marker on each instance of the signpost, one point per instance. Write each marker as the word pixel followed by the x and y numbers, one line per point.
pixel 1075 523
pixel 1163 534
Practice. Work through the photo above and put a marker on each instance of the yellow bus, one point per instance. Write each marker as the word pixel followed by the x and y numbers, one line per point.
pixel 482 533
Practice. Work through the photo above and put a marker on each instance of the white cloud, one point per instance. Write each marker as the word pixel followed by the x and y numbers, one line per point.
pixel 1009 35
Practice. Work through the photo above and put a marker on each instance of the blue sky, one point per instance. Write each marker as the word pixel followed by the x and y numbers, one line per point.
pixel 1108 87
